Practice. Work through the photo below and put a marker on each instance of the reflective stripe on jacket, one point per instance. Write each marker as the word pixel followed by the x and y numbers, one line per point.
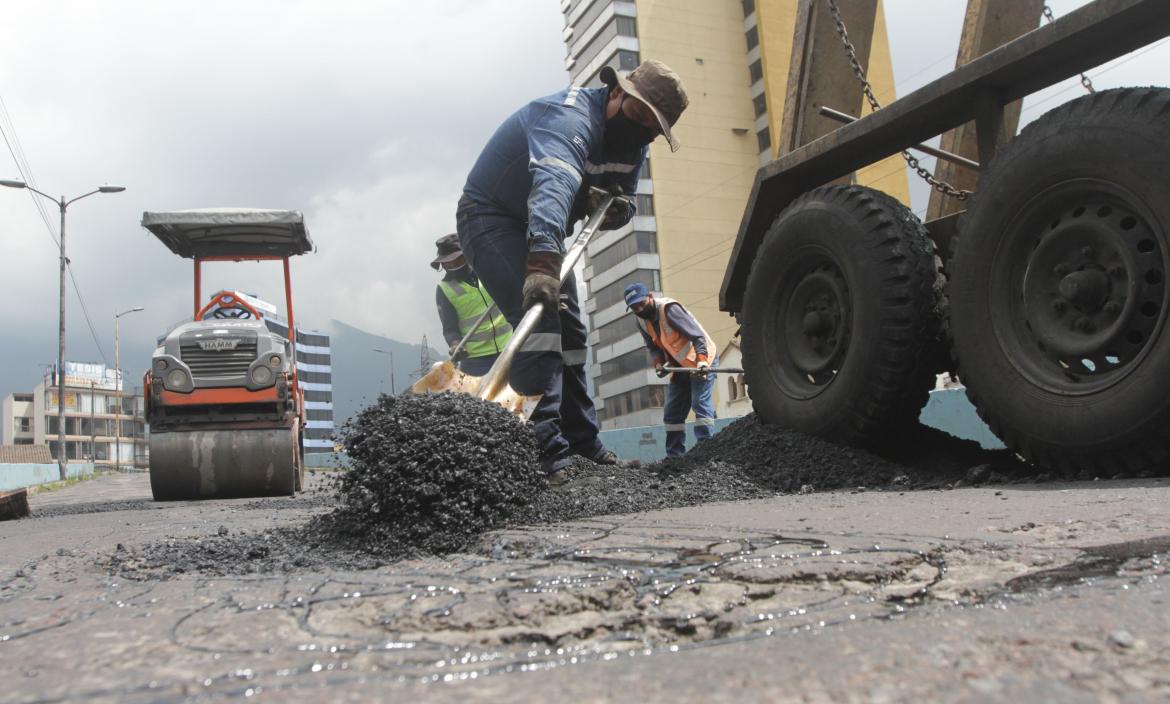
pixel 543 156
pixel 674 343
pixel 469 301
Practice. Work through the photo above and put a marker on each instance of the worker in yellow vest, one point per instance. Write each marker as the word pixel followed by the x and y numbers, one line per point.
pixel 461 299
pixel 676 339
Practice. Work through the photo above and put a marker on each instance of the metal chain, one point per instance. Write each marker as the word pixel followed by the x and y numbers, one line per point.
pixel 911 161
pixel 1085 82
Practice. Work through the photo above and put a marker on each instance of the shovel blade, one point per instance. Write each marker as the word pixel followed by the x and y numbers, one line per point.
pixel 444 377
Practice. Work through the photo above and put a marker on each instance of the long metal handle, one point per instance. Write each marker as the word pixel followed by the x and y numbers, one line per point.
pixel 471 331
pixel 710 370
pixel 497 377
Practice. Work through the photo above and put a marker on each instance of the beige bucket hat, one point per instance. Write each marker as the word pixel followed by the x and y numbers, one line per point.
pixel 659 87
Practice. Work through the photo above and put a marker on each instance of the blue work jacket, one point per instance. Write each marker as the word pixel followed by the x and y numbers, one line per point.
pixel 543 156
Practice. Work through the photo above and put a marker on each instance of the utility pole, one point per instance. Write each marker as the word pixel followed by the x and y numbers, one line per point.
pixel 118 384
pixel 93 423
pixel 393 391
pixel 62 460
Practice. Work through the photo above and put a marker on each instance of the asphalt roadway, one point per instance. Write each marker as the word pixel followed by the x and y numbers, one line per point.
pixel 1008 593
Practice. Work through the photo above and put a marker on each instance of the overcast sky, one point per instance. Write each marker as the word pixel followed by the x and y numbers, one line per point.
pixel 365 116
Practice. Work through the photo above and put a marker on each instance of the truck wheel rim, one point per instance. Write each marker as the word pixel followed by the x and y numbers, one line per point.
pixel 1081 275
pixel 813 318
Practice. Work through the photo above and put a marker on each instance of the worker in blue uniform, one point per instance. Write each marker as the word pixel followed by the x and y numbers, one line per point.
pixel 522 197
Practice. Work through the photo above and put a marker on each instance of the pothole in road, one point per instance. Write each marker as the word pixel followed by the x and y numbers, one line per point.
pixel 579 592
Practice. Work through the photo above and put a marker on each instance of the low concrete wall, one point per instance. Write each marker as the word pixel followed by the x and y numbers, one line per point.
pixel 326 460
pixel 17 476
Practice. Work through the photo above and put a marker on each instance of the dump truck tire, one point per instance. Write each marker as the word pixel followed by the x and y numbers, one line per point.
pixel 841 308
pixel 1058 296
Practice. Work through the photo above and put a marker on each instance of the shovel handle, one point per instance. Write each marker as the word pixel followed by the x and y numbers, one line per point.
pixel 497 377
pixel 710 370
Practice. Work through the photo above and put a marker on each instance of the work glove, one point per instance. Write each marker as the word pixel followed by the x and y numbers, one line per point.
pixel 542 284
pixel 704 367
pixel 619 212
pixel 456 355
pixel 660 371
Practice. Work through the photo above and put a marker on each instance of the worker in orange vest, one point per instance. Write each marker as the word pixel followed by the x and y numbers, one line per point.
pixel 676 339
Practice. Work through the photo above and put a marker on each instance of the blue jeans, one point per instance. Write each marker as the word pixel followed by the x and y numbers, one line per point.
pixel 478 366
pixel 687 392
pixel 552 360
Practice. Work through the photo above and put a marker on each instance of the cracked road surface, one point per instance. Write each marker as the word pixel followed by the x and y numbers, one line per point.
pixel 1001 593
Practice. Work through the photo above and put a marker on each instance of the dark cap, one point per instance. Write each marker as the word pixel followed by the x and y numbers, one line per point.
pixel 659 87
pixel 449 250
pixel 635 293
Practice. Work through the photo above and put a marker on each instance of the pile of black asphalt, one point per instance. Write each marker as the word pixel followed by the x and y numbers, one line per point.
pixel 431 474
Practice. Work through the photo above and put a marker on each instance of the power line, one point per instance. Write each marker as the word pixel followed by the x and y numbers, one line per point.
pixel 24 168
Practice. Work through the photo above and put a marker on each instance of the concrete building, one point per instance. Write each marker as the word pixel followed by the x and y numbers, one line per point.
pixel 92 407
pixel 314 374
pixel 733 56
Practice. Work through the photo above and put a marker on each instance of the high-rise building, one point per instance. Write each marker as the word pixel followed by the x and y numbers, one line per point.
pixel 733 58
pixel 93 408
pixel 314 375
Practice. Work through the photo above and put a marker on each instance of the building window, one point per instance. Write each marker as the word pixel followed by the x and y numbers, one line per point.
pixel 628 363
pixel 753 37
pixel 749 6
pixel 764 138
pixel 645 172
pixel 618 330
pixel 318 395
pixel 640 242
pixel 644 204
pixel 760 102
pixel 23 425
pixel 23 441
pixel 595 45
pixel 26 398
pixel 587 18
pixel 756 70
pixel 627 27
pixel 611 294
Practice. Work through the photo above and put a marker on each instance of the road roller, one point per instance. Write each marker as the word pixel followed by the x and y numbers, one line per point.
pixel 226 412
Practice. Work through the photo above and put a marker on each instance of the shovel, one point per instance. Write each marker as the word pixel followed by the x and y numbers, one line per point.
pixel 493 386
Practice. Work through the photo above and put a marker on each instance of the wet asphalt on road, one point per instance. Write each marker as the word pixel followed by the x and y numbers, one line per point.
pixel 997 593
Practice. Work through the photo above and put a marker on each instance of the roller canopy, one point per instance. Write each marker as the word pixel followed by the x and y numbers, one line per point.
pixel 231 232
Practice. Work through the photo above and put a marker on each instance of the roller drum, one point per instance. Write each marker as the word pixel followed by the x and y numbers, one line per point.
pixel 218 464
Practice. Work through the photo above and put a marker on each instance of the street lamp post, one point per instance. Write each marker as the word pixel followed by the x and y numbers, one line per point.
pixel 118 393
pixel 393 391
pixel 62 204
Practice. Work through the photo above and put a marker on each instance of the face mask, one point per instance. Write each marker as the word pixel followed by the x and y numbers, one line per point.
pixel 623 134
pixel 647 313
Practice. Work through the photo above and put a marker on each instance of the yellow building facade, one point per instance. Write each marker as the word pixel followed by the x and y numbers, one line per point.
pixel 733 57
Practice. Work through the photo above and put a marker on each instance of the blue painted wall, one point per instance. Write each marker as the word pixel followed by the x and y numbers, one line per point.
pixel 18 476
pixel 947 409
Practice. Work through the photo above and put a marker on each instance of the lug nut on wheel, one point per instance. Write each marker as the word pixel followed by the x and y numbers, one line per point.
pixel 1117 271
pixel 1059 305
